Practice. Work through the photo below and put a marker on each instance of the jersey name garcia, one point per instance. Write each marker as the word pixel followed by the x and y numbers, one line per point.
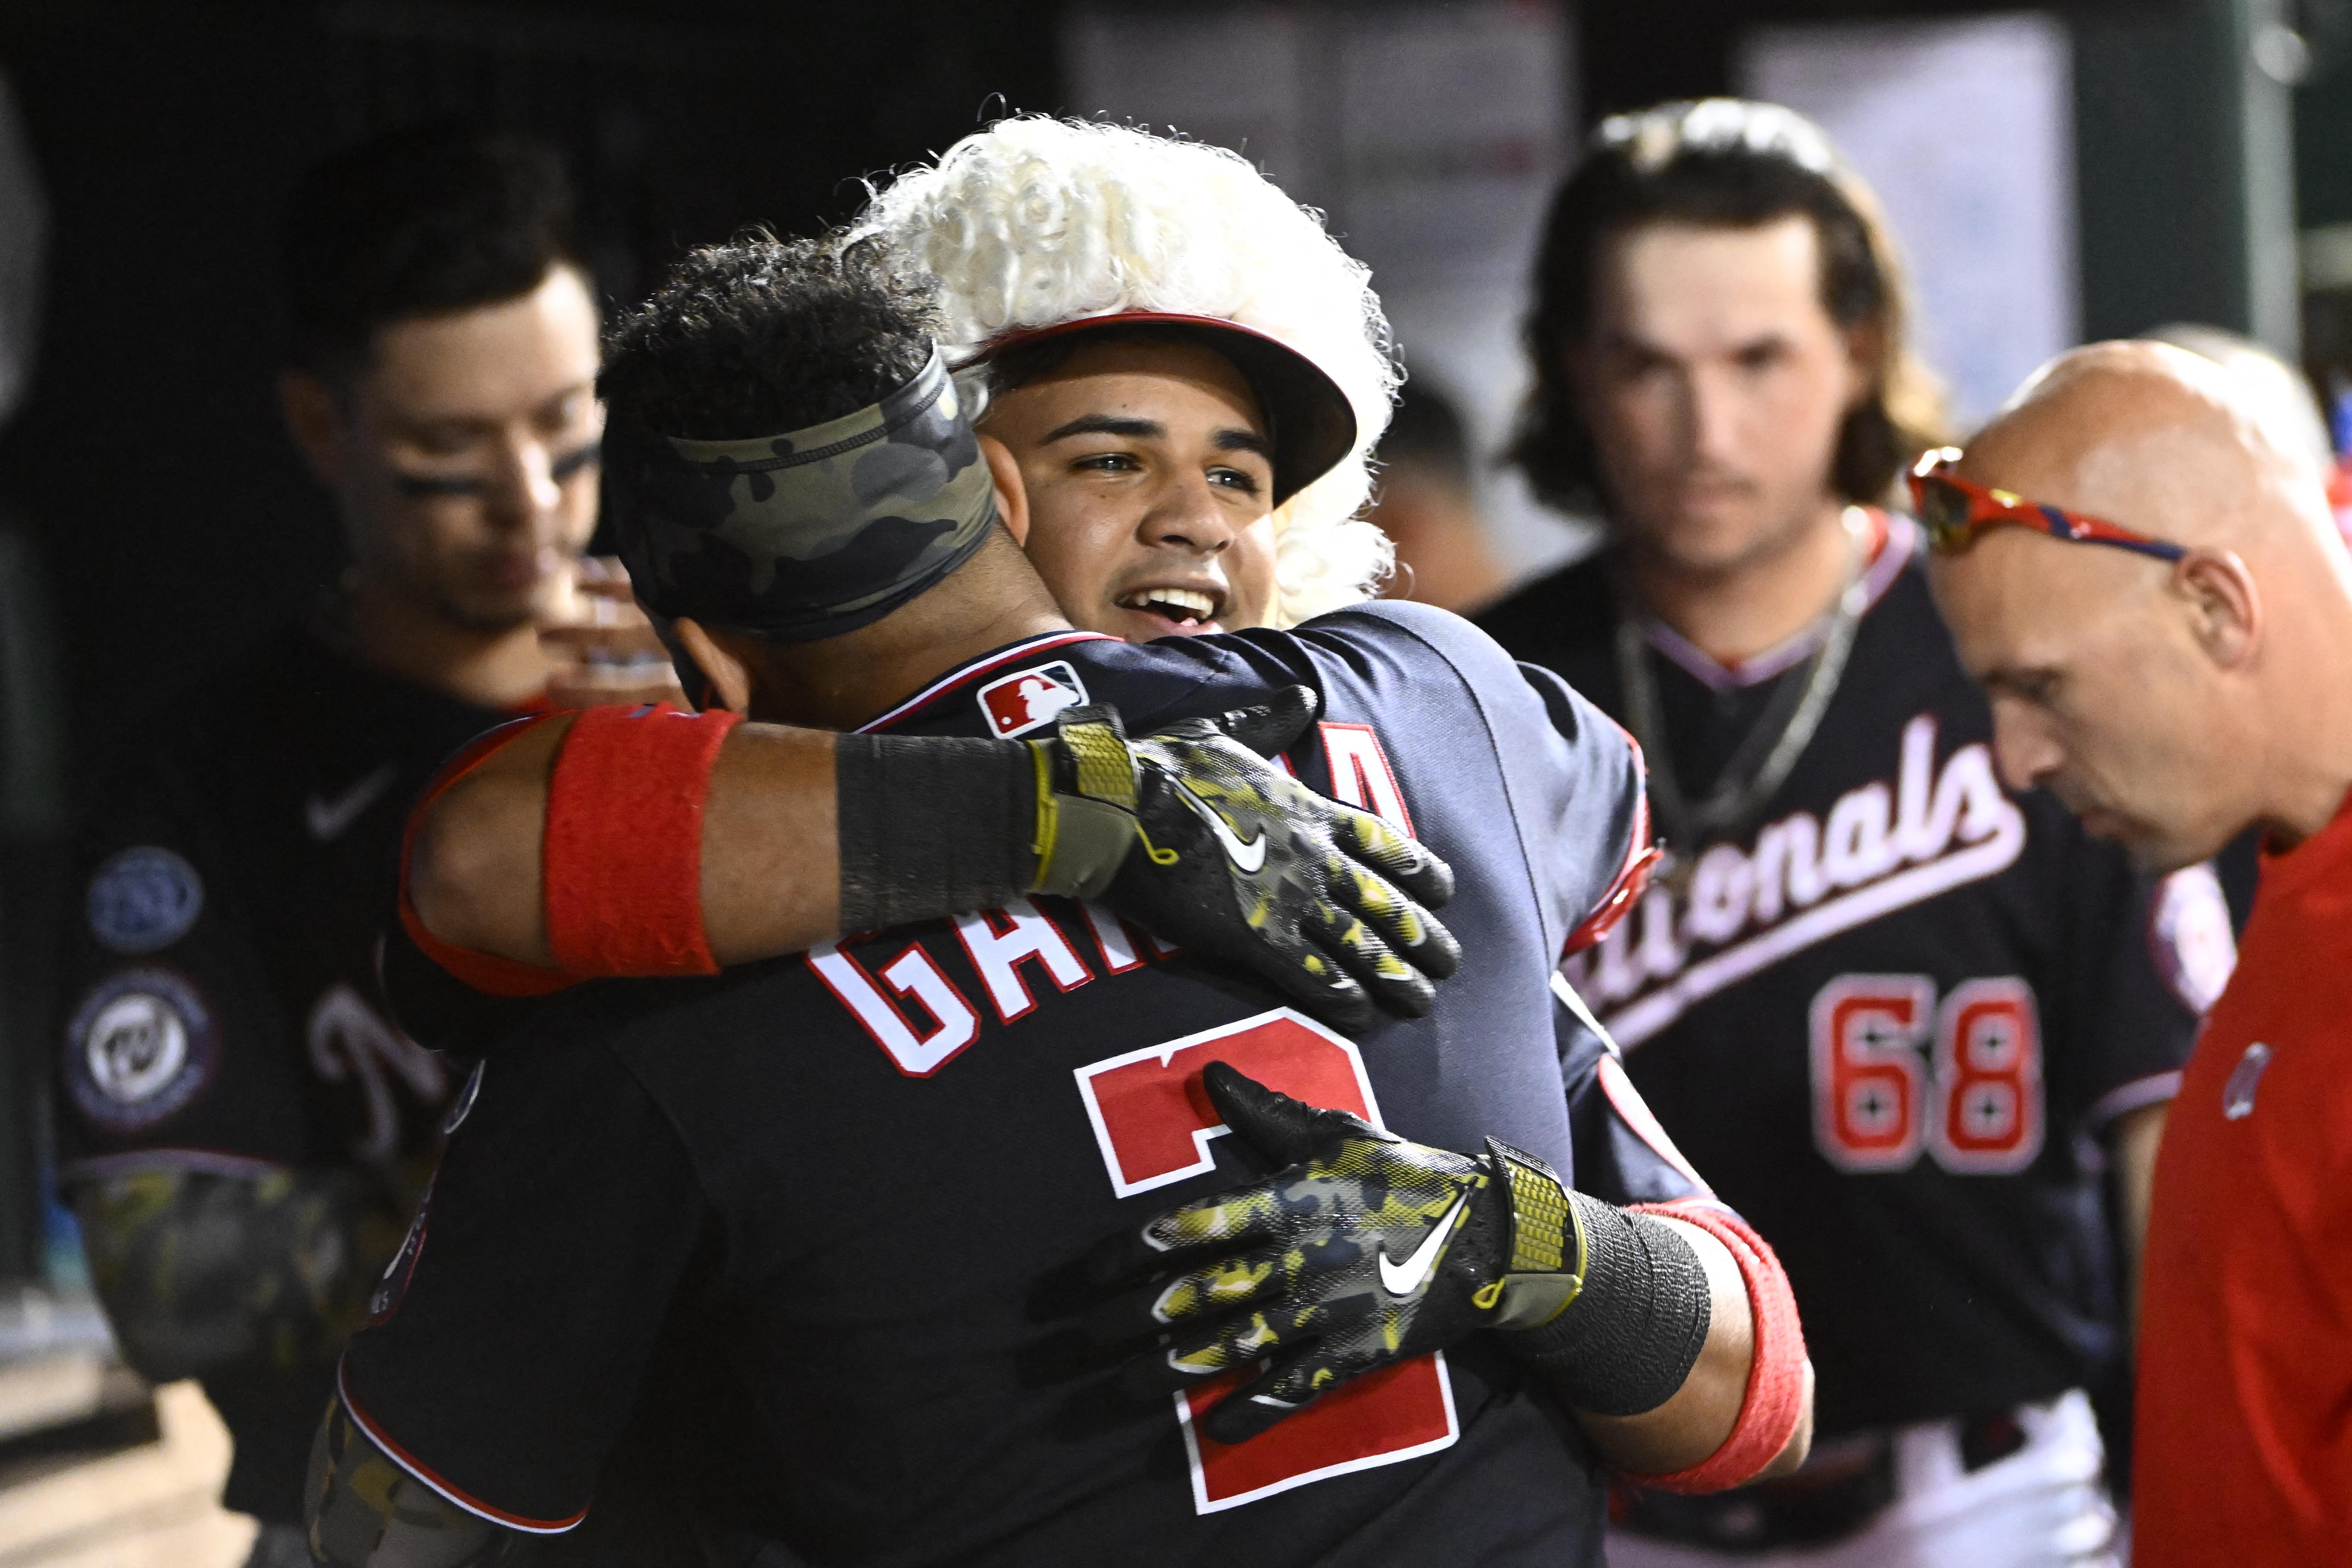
pixel 1885 1018
pixel 863 1174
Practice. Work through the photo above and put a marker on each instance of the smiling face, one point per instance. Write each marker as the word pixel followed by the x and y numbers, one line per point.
pixel 463 454
pixel 1149 484
pixel 1714 385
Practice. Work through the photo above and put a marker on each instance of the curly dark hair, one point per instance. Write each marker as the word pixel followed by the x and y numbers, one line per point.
pixel 437 217
pixel 760 335
pixel 1727 163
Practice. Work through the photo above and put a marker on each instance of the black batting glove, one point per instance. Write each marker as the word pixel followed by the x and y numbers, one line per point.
pixel 1191 832
pixel 1359 1251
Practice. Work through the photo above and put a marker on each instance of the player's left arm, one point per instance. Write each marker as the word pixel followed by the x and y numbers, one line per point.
pixel 1362 1249
pixel 1727 1424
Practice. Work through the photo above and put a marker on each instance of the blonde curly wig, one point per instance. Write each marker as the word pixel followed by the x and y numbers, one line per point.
pixel 1035 221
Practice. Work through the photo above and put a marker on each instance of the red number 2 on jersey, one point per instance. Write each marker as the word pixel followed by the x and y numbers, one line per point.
pixel 1154 1123
pixel 1874 1101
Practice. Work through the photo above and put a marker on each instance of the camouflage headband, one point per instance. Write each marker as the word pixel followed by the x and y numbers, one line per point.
pixel 813 533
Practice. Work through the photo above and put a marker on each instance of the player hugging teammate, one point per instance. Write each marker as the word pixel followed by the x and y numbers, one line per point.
pixel 902 1184
pixel 1890 1010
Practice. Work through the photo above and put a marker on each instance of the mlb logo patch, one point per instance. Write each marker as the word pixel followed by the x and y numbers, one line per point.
pixel 1018 703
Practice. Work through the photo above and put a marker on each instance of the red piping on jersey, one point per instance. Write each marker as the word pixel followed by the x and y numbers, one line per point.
pixel 1642 857
pixel 484 972
pixel 1774 1403
pixel 407 1461
pixel 953 679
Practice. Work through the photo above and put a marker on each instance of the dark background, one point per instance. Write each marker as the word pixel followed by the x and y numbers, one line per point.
pixel 172 523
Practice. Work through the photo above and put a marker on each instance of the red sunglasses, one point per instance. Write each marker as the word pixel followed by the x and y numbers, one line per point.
pixel 1954 511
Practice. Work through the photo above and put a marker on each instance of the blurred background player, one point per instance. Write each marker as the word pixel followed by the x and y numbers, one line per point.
pixel 1426 501
pixel 242 1132
pixel 1892 1012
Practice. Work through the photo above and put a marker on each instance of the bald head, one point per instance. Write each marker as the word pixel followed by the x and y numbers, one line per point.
pixel 2158 439
pixel 2167 703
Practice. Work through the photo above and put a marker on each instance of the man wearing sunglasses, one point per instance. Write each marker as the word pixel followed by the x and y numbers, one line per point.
pixel 2190 679
pixel 241 1131
pixel 1891 1011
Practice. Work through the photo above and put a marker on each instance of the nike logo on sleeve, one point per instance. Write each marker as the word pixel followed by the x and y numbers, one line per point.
pixel 328 819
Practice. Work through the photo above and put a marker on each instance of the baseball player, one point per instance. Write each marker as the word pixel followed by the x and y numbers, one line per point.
pixel 1028 1090
pixel 240 1128
pixel 1906 1021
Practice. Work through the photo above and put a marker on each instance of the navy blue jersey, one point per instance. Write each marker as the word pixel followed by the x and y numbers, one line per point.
pixel 1889 1018
pixel 235 870
pixel 838 1195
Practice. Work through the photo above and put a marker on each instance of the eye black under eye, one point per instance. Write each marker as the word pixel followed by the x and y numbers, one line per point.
pixel 436 486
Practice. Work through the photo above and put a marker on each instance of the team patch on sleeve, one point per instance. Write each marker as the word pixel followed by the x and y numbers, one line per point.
pixel 141 1044
pixel 144 898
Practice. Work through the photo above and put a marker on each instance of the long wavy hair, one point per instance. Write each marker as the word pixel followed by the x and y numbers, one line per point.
pixel 1036 221
pixel 1729 163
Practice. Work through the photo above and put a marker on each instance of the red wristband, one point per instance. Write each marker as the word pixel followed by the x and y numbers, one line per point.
pixel 1774 1399
pixel 484 972
pixel 622 857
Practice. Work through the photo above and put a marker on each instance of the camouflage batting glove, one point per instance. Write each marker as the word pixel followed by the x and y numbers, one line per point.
pixel 1361 1251
pixel 1191 832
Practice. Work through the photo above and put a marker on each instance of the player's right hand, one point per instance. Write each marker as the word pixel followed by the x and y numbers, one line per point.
pixel 1231 857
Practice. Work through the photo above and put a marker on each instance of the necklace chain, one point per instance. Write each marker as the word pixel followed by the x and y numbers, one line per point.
pixel 1768 752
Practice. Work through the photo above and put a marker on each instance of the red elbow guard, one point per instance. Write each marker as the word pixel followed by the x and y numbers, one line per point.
pixel 1775 1400
pixel 622 856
